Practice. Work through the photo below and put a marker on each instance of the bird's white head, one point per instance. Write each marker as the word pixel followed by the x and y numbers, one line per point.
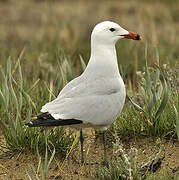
pixel 108 32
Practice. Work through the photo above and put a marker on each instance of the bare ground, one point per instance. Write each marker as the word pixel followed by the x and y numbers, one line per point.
pixel 14 165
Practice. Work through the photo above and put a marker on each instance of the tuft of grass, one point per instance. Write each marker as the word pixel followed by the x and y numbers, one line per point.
pixel 116 171
pixel 125 165
pixel 154 91
pixel 122 167
pixel 16 108
pixel 153 112
pixel 42 165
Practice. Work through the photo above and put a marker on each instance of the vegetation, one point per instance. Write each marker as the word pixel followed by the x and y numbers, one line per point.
pixel 34 67
pixel 155 115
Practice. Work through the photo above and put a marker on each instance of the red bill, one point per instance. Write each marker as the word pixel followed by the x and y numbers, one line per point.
pixel 132 35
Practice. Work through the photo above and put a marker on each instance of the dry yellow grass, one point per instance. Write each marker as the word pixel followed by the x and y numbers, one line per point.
pixel 72 21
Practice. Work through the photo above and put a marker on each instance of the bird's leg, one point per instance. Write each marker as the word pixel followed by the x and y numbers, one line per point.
pixel 81 141
pixel 104 143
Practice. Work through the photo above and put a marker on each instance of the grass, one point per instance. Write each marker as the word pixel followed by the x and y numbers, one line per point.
pixel 43 165
pixel 126 166
pixel 117 170
pixel 155 116
pixel 42 54
pixel 154 112
pixel 17 107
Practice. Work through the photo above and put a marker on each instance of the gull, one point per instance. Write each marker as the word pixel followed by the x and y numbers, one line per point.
pixel 95 98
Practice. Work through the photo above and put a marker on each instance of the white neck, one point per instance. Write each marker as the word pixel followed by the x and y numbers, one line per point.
pixel 103 61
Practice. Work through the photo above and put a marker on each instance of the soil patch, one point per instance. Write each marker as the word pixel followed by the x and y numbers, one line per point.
pixel 14 165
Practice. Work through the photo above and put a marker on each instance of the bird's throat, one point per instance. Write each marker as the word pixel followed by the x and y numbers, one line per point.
pixel 103 61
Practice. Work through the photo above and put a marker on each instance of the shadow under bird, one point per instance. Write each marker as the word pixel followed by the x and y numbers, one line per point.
pixel 95 98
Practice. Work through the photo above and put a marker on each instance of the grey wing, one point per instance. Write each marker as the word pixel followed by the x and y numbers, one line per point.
pixel 98 101
pixel 71 85
pixel 96 109
pixel 85 87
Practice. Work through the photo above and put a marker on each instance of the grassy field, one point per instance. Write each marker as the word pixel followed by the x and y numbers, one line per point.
pixel 45 44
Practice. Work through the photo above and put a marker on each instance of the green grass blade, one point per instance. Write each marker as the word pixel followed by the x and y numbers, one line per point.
pixel 4 125
pixel 14 100
pixel 150 105
pixel 137 107
pixel 155 77
pixel 63 76
pixel 159 92
pixel 155 101
pixel 3 101
pixel 29 115
pixel 5 86
pixel 46 157
pixel 33 86
pixel 14 97
pixel 26 96
pixel 68 70
pixel 143 93
pixel 45 163
pixel 21 86
pixel 177 121
pixel 51 158
pixel 164 101
pixel 147 78
pixel 31 173
pixel 83 64
pixel 51 93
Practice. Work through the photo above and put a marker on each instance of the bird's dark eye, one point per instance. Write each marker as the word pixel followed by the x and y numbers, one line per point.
pixel 112 29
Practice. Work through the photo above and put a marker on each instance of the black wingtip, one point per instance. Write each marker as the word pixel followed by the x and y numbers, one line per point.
pixel 46 120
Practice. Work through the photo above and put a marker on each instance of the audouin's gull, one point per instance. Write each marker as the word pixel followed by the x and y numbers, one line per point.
pixel 95 98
